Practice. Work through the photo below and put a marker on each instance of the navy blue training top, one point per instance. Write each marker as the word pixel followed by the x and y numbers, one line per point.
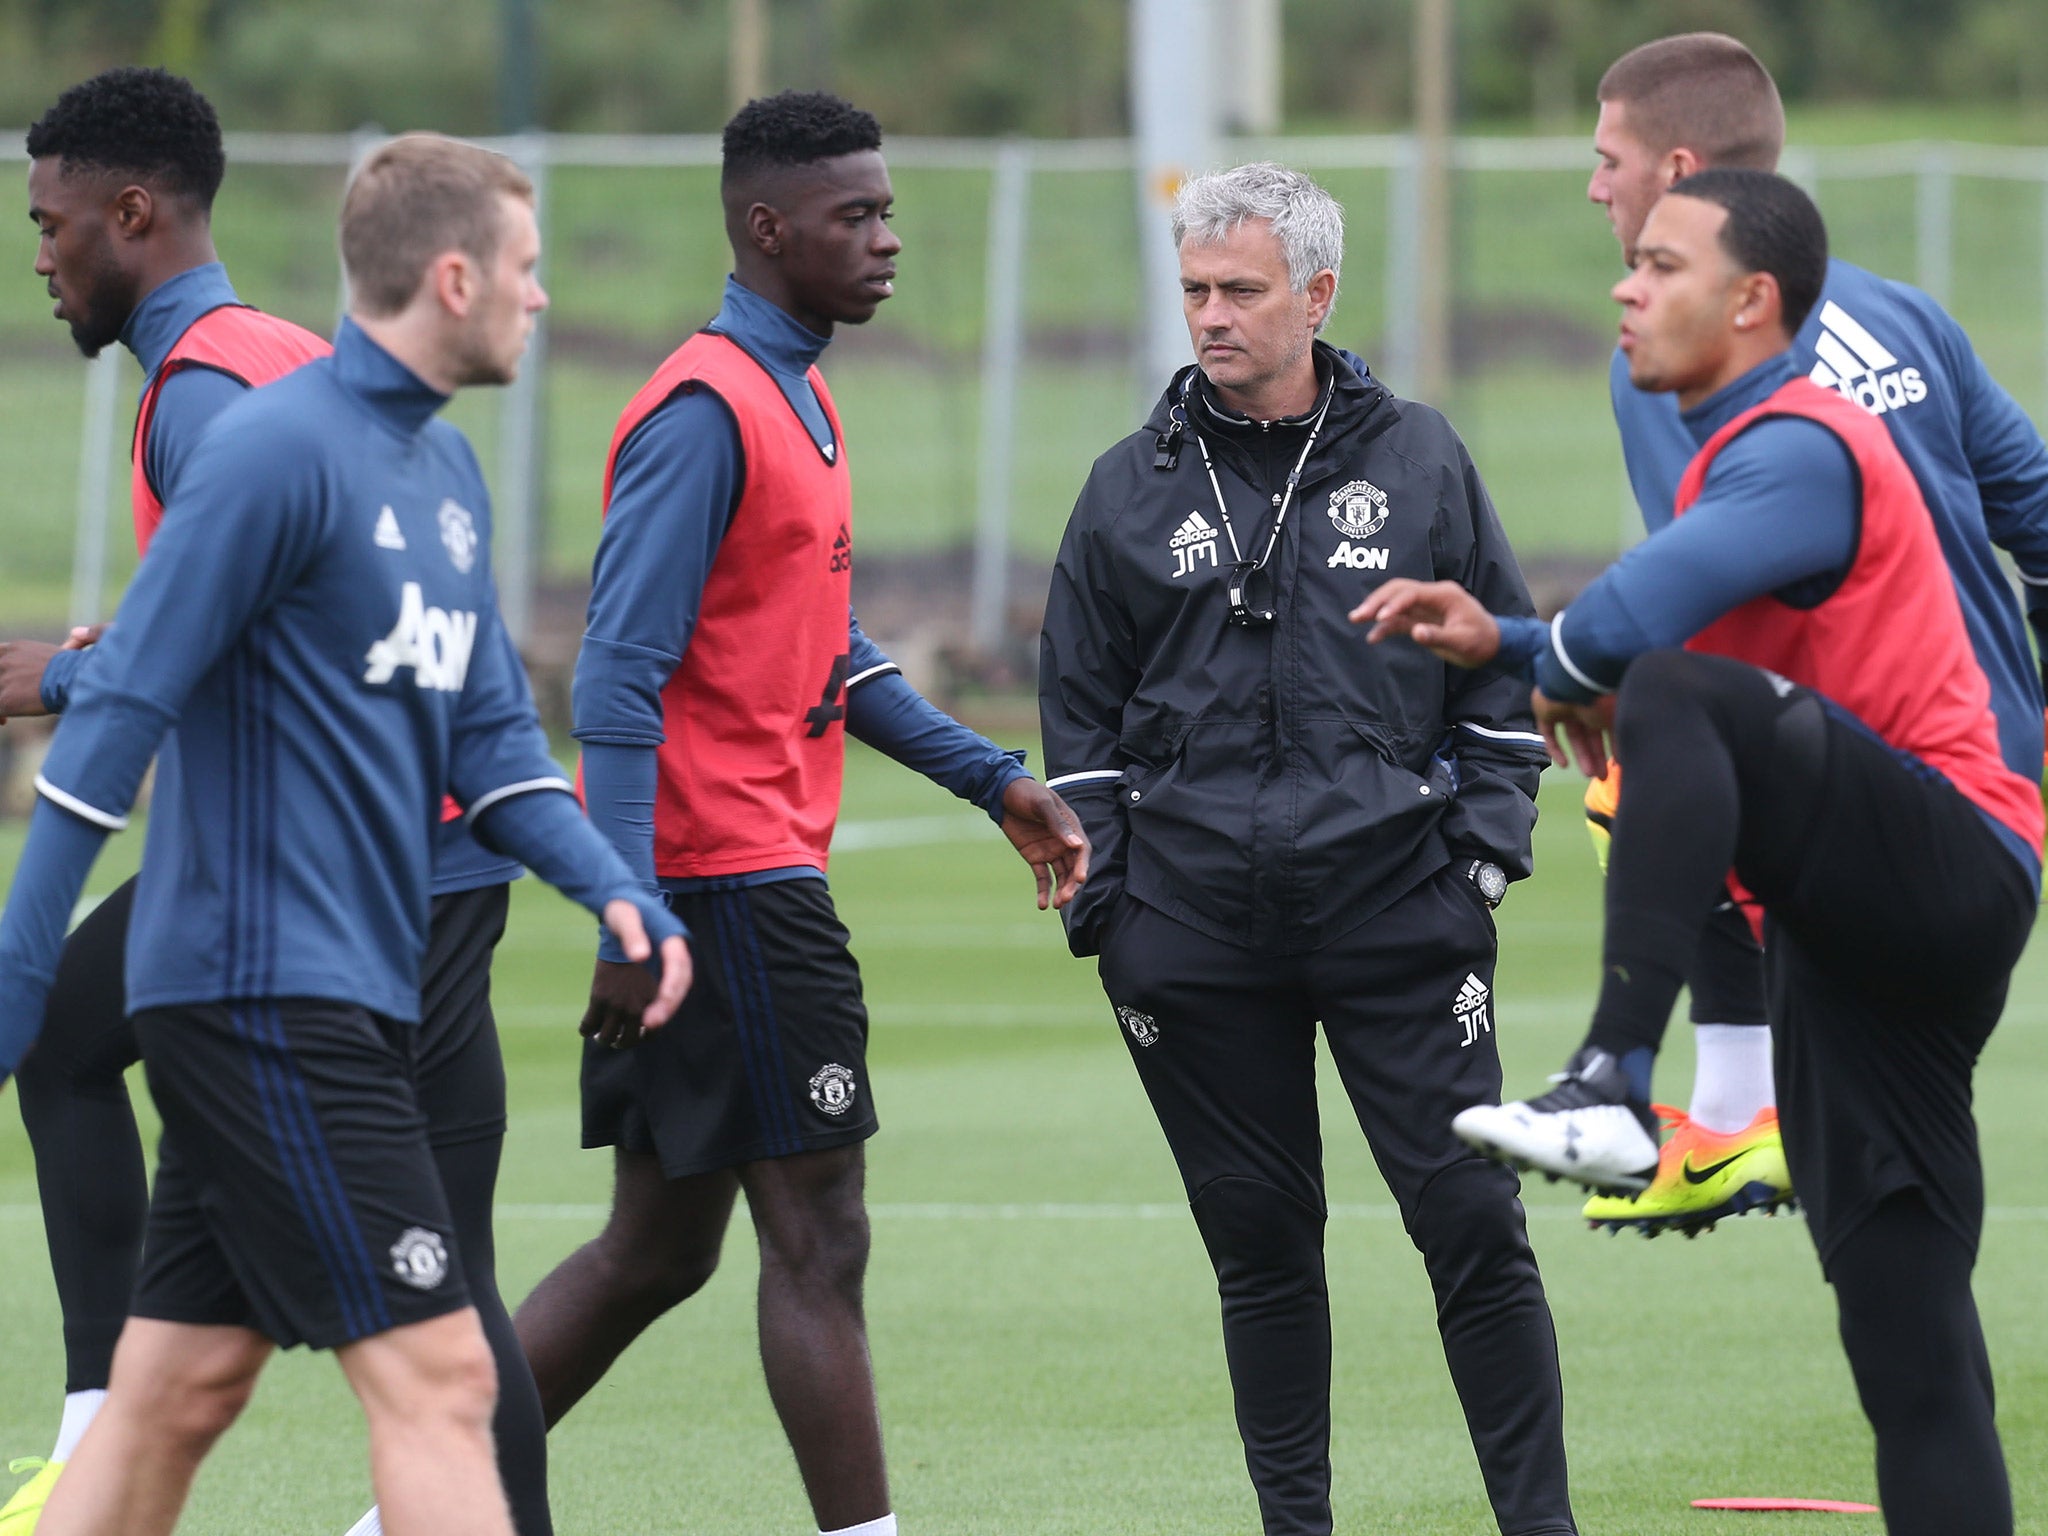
pixel 1980 464
pixel 676 484
pixel 1778 513
pixel 185 407
pixel 317 619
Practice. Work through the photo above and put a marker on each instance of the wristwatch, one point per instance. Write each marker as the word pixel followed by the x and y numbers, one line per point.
pixel 1490 880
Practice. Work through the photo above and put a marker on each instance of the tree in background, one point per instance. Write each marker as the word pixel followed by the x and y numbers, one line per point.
pixel 1053 67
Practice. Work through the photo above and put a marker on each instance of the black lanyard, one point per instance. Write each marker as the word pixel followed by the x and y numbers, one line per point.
pixel 1242 610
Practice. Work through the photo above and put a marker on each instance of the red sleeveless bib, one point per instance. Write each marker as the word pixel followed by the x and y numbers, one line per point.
pixel 1889 644
pixel 245 344
pixel 754 716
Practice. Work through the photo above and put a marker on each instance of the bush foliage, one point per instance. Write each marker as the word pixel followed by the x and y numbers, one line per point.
pixel 1054 67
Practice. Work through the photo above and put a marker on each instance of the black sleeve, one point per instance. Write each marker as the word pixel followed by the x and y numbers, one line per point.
pixel 1491 735
pixel 1087 672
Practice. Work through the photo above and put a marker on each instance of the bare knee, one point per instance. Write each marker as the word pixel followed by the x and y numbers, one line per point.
pixel 187 1388
pixel 813 1224
pixel 438 1372
pixel 197 1415
pixel 651 1269
pixel 661 1243
pixel 464 1381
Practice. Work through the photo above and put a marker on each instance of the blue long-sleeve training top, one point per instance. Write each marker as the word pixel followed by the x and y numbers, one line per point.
pixel 317 619
pixel 676 485
pixel 185 407
pixel 1779 513
pixel 1981 465
pixel 187 404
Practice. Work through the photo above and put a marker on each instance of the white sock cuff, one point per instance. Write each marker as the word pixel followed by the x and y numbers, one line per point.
pixel 886 1526
pixel 370 1525
pixel 1732 1075
pixel 79 1408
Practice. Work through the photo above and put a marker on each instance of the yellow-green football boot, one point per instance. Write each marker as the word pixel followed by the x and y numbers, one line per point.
pixel 18 1516
pixel 1703 1176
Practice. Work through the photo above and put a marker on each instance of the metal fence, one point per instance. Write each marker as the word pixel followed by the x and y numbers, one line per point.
pixel 977 399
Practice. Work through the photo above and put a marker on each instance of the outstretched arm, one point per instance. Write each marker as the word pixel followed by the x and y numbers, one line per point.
pixel 1779 513
pixel 886 712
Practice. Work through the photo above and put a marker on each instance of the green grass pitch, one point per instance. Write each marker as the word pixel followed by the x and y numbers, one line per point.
pixel 1043 1319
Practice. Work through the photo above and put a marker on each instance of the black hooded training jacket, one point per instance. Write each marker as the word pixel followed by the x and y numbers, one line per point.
pixel 1275 786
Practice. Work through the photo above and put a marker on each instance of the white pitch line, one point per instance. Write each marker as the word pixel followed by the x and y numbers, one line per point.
pixel 1053 1210
pixel 1114 1211
pixel 885 1015
pixel 1039 1211
pixel 1069 1210
pixel 908 832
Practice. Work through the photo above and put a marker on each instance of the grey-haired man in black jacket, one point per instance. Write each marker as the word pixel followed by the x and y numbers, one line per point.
pixel 1291 829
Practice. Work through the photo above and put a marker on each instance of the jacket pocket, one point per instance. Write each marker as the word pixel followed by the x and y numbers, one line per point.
pixel 1190 822
pixel 1434 781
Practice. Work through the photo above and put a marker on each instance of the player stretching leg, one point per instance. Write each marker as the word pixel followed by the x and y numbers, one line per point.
pixel 317 619
pixel 718 677
pixel 1850 768
pixel 123 172
pixel 1667 109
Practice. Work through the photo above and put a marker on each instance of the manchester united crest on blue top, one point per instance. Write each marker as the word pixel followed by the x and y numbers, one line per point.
pixel 458 534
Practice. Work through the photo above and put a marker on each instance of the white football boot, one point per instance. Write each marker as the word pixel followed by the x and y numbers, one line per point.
pixel 1588 1129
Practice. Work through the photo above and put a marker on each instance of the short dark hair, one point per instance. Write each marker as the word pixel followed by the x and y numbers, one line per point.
pixel 147 123
pixel 794 128
pixel 1772 227
pixel 1701 91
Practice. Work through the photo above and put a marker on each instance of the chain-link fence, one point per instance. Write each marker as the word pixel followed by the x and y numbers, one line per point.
pixel 976 401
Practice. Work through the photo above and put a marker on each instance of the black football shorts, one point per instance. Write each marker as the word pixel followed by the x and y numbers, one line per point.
pixel 296 1194
pixel 768 1054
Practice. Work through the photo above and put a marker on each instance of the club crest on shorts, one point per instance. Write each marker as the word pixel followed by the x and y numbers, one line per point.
pixel 1359 509
pixel 420 1258
pixel 1142 1026
pixel 458 535
pixel 832 1089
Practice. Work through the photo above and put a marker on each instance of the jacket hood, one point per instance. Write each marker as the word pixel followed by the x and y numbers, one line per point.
pixel 1361 409
pixel 1358 392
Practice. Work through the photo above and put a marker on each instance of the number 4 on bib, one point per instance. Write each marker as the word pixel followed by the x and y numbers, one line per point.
pixel 830 709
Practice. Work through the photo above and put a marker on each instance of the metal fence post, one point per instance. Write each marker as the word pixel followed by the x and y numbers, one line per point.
pixel 2044 291
pixel 1933 221
pixel 361 145
pixel 521 452
pixel 1404 259
pixel 1803 166
pixel 95 478
pixel 1002 353
pixel 1173 120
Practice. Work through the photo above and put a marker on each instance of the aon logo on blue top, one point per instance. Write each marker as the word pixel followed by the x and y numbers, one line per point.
pixel 434 643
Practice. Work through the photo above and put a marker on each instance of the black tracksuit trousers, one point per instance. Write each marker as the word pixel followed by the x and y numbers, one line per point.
pixel 1895 916
pixel 1224 1042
